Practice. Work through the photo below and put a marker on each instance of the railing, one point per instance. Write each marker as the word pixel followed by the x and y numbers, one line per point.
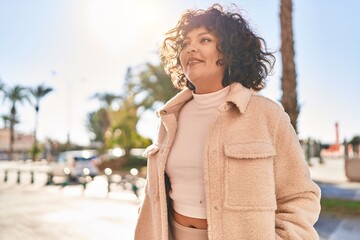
pixel 40 173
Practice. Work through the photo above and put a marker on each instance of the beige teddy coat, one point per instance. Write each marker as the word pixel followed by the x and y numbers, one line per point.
pixel 257 183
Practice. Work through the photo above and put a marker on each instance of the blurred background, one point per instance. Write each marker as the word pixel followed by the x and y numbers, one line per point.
pixel 80 80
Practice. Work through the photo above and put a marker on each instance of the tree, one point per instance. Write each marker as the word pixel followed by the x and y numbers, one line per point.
pixel 154 84
pixel 38 93
pixel 98 123
pixel 288 79
pixel 106 99
pixel 122 131
pixel 355 142
pixel 143 90
pixel 4 117
pixel 2 86
pixel 6 120
pixel 17 94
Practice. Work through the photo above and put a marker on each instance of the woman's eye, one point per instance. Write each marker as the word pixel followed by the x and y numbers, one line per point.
pixel 205 40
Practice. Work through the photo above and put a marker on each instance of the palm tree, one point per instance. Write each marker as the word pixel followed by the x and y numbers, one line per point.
pixel 15 95
pixel 123 128
pixel 6 120
pixel 106 99
pixel 2 85
pixel 99 122
pixel 156 84
pixel 95 126
pixel 38 93
pixel 288 80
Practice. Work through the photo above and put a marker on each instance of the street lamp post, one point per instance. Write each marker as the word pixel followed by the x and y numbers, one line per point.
pixel 69 85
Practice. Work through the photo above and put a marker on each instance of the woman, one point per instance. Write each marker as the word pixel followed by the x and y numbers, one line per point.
pixel 227 163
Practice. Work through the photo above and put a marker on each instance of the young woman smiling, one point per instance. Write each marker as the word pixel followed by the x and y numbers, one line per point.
pixel 199 60
pixel 227 163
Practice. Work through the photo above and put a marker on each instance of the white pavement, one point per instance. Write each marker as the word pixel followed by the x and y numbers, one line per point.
pixel 332 171
pixel 29 212
pixel 52 212
pixel 332 180
pixel 348 229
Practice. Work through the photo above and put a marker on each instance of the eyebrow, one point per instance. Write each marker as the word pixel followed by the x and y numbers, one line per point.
pixel 200 34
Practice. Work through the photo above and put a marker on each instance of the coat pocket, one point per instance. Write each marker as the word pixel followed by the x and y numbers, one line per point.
pixel 152 168
pixel 249 176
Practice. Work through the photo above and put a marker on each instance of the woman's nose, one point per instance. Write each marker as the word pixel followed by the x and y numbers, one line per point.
pixel 191 48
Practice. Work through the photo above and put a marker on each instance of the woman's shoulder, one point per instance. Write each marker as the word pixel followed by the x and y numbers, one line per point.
pixel 263 102
pixel 267 112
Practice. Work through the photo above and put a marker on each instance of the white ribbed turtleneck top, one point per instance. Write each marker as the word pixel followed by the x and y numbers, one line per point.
pixel 185 162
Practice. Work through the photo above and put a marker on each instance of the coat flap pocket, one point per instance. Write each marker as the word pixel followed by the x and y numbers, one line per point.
pixel 249 150
pixel 151 150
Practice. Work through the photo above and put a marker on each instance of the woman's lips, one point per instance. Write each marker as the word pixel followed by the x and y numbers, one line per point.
pixel 193 61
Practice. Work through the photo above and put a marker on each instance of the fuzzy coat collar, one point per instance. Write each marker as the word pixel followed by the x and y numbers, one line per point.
pixel 239 96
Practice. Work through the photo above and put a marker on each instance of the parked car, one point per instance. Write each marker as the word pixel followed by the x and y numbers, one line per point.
pixel 76 164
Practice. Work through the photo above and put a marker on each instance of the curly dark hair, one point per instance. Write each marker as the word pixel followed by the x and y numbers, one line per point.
pixel 246 58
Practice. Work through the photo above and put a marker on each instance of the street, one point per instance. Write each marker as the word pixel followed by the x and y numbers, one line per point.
pixel 59 211
pixel 53 212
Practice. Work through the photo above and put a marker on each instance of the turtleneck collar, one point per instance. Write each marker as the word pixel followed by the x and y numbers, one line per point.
pixel 211 100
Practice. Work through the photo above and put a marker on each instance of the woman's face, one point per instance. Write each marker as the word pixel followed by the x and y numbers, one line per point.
pixel 199 58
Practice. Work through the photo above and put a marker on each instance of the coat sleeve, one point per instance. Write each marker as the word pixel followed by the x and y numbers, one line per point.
pixel 297 196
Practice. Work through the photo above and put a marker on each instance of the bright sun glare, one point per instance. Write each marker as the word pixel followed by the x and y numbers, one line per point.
pixel 118 23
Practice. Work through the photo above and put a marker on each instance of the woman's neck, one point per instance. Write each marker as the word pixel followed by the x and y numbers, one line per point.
pixel 207 89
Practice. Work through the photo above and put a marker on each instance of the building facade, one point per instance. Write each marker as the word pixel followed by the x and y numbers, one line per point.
pixel 22 145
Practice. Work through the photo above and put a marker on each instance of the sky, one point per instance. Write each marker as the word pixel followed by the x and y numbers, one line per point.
pixel 83 47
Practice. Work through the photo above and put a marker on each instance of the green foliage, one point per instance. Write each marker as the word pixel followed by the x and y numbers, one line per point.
pixel 38 93
pixel 107 99
pixel 355 140
pixel 340 207
pixel 146 88
pixel 134 162
pixel 2 85
pixel 6 120
pixel 122 131
pixel 17 94
pixel 98 123
pixel 154 84
pixel 35 151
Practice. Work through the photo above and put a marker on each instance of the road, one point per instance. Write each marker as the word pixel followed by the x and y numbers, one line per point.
pixel 35 211
pixel 332 180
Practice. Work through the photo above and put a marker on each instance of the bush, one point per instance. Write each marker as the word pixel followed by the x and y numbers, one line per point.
pixel 134 162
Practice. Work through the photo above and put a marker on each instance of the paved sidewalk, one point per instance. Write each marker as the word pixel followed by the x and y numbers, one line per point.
pixel 37 212
pixel 331 178
pixel 31 211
